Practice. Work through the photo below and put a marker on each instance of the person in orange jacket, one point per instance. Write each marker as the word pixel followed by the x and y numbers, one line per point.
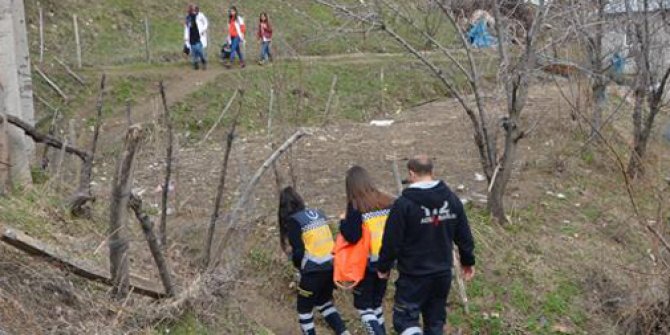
pixel 236 31
pixel 369 207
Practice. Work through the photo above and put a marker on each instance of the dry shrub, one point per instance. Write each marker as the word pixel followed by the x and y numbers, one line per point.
pixel 648 317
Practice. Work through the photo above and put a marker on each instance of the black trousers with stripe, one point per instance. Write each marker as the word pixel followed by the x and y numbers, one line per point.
pixel 424 297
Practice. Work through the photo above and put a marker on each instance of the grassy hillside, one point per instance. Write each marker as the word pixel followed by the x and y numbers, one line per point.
pixel 574 259
pixel 113 31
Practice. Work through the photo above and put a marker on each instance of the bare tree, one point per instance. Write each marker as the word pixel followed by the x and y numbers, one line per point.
pixel 11 91
pixel 168 167
pixel 649 48
pixel 23 69
pixel 222 185
pixel 4 154
pixel 514 76
pixel 590 22
pixel 121 187
pixel 84 194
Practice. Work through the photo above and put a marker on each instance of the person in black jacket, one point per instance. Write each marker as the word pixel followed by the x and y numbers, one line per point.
pixel 422 227
pixel 367 207
pixel 311 240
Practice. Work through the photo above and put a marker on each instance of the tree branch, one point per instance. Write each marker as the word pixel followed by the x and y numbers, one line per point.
pixel 46 139
pixel 232 219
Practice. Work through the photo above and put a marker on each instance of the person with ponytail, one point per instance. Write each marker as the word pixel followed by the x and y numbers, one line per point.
pixel 307 232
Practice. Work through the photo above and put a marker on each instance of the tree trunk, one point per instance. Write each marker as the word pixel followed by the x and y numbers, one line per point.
pixel 4 156
pixel 599 90
pixel 10 87
pixel 639 141
pixel 168 168
pixel 121 187
pixel 503 174
pixel 84 194
pixel 219 192
pixel 23 67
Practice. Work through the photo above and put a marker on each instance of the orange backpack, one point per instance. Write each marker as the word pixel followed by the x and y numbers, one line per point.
pixel 351 260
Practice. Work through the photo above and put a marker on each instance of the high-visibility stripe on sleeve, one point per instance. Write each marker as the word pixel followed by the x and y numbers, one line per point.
pixel 412 331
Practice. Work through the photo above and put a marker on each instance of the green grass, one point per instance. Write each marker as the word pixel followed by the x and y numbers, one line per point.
pixel 358 98
pixel 187 325
pixel 113 31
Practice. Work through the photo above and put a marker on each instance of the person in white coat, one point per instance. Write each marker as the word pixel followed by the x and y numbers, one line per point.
pixel 195 36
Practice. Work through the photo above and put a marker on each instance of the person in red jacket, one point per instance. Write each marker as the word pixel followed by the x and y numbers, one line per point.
pixel 236 31
pixel 265 36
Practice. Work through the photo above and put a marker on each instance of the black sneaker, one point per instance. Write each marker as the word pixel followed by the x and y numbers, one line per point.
pixel 204 65
pixel 196 66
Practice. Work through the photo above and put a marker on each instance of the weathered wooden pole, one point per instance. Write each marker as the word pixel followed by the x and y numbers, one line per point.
pixel 154 245
pixel 121 188
pixel 41 34
pixel 168 168
pixel 76 39
pixel 147 39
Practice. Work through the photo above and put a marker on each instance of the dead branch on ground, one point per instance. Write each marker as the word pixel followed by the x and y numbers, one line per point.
pixel 223 112
pixel 164 271
pixel 71 73
pixel 51 84
pixel 34 247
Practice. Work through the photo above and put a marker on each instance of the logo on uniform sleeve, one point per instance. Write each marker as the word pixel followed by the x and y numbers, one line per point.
pixel 312 214
pixel 436 216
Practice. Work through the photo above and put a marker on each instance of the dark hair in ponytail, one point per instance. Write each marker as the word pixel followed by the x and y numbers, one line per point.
pixel 290 202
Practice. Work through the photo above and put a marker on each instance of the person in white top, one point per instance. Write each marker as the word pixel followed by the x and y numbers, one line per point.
pixel 195 35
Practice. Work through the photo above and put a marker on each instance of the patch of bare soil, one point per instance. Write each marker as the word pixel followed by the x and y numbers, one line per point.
pixel 320 161
pixel 262 288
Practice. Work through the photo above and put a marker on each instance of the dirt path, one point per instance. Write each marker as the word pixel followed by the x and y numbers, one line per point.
pixel 181 81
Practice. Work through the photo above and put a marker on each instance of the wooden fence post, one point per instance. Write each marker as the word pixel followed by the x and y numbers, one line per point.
pixel 121 185
pixel 331 95
pixel 147 38
pixel 76 39
pixel 41 34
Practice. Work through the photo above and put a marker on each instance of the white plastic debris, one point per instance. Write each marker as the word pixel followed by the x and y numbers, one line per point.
pixel 139 191
pixel 560 196
pixel 382 123
pixel 479 177
pixel 460 187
